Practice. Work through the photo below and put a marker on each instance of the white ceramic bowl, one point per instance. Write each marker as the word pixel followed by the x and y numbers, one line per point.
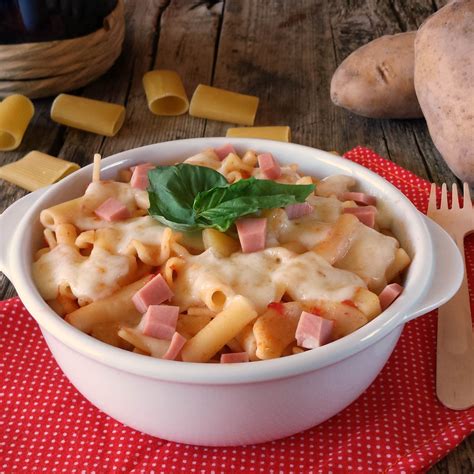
pixel 212 404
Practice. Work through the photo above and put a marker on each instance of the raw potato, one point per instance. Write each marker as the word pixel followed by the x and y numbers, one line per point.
pixel 376 80
pixel 444 83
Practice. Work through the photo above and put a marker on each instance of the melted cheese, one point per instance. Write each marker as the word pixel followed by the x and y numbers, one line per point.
pixel 117 236
pixel 335 185
pixel 93 277
pixel 263 277
pixel 370 254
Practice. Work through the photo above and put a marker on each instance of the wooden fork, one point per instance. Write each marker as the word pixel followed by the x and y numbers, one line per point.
pixel 455 349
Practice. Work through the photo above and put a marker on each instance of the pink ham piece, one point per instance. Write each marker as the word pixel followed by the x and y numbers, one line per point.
pixel 112 210
pixel 365 214
pixel 176 344
pixel 293 211
pixel 389 294
pixel 359 198
pixel 223 151
pixel 153 293
pixel 252 234
pixel 313 331
pixel 149 165
pixel 269 166
pixel 139 178
pixel 233 357
pixel 160 321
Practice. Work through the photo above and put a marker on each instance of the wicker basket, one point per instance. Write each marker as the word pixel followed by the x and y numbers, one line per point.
pixel 48 68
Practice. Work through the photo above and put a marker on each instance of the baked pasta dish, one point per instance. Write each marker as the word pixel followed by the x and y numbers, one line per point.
pixel 225 257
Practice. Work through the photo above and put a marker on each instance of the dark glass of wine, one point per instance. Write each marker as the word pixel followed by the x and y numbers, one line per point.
pixel 30 21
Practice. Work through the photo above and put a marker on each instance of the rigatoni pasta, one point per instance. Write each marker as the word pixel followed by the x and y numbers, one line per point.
pixel 276 282
pixel 37 170
pixel 222 105
pixel 95 116
pixel 16 112
pixel 165 92
pixel 278 133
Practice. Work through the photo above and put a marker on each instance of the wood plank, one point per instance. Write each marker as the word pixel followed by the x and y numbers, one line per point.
pixel 187 30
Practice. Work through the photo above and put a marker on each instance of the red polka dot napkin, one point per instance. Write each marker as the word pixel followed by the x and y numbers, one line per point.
pixel 397 425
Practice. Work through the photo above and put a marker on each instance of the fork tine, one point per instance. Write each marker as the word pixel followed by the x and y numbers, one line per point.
pixel 444 197
pixel 454 197
pixel 432 199
pixel 467 204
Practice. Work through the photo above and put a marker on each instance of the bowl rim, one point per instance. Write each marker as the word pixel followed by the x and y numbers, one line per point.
pixel 203 373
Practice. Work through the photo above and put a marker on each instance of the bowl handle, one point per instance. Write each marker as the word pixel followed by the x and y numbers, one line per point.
pixel 9 220
pixel 448 271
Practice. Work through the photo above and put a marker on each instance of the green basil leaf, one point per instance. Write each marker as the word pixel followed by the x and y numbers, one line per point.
pixel 172 191
pixel 219 207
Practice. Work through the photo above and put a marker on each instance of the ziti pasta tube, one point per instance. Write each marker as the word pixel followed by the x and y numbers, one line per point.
pixel 278 133
pixel 90 115
pixel 165 93
pixel 225 106
pixel 16 112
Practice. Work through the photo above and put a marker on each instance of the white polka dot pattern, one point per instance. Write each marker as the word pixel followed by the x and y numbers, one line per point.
pixel 397 425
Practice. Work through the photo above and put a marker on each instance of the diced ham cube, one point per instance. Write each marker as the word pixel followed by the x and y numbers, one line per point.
pixel 153 293
pixel 223 151
pixel 293 211
pixel 112 210
pixel 389 294
pixel 233 357
pixel 269 166
pixel 149 165
pixel 365 214
pixel 252 233
pixel 177 343
pixel 160 321
pixel 139 178
pixel 313 331
pixel 359 198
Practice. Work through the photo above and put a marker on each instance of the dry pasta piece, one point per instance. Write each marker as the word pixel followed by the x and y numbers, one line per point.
pixel 278 133
pixel 224 327
pixel 116 307
pixel 95 116
pixel 165 92
pixel 16 112
pixel 222 105
pixel 36 170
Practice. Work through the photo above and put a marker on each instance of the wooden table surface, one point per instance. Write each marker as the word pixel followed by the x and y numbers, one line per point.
pixel 284 52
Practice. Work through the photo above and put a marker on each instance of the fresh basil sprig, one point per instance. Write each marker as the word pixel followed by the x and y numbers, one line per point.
pixel 188 197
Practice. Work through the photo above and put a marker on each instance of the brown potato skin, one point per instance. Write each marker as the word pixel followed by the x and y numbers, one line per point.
pixel 376 80
pixel 444 83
